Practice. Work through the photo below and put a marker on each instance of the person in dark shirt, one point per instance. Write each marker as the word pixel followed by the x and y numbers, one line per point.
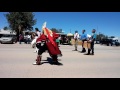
pixel 92 40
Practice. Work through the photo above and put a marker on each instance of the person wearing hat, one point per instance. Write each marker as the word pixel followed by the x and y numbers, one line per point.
pixel 76 38
pixel 37 32
pixel 91 41
pixel 83 38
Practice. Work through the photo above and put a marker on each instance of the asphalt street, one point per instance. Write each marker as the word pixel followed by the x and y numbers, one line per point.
pixel 16 62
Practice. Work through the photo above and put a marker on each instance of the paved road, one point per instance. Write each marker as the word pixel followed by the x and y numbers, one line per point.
pixel 16 62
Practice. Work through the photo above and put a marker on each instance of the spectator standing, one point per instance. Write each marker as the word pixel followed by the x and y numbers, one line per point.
pixel 76 38
pixel 83 38
pixel 91 41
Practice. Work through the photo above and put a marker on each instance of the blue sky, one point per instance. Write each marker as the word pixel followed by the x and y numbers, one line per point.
pixel 107 23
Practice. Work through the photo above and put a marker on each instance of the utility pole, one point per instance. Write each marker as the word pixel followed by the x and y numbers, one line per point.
pixel 97 29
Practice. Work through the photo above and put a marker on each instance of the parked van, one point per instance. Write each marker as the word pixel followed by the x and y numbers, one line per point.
pixel 8 38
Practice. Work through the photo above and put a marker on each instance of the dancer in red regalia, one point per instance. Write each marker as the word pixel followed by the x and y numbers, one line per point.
pixel 47 42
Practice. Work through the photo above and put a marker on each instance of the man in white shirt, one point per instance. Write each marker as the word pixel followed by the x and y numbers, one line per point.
pixel 76 38
pixel 37 32
pixel 28 39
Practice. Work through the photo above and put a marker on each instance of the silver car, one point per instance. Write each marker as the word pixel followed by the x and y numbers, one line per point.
pixel 8 38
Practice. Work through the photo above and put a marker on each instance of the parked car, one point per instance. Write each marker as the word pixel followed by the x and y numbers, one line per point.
pixel 8 38
pixel 97 41
pixel 108 42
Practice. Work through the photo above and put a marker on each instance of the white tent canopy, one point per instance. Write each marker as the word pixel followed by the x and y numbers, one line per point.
pixel 69 34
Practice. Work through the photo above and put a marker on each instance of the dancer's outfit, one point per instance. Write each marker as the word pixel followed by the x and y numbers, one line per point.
pixel 47 41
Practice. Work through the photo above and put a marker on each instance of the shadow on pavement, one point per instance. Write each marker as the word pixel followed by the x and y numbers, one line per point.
pixel 50 61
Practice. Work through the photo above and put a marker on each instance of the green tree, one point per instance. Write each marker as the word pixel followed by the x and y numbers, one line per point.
pixel 5 28
pixel 56 30
pixel 106 37
pixel 20 21
pixel 112 36
pixel 101 36
pixel 60 30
